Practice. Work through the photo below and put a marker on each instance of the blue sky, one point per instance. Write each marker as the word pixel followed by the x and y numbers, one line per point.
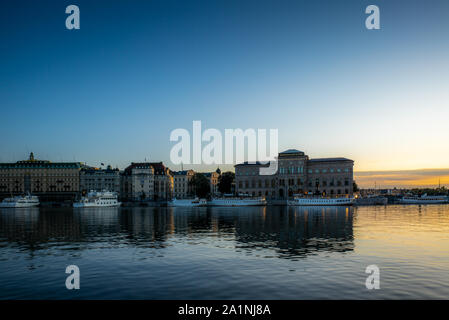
pixel 114 90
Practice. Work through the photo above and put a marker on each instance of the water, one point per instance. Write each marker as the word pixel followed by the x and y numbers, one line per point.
pixel 225 253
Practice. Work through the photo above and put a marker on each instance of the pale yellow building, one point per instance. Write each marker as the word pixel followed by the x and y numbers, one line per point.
pixel 50 181
pixel 181 184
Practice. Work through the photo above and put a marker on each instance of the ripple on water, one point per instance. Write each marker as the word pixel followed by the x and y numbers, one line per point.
pixel 226 253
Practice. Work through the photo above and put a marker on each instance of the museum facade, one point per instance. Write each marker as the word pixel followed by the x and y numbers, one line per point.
pixel 296 175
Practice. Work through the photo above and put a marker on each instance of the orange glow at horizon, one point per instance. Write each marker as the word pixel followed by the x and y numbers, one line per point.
pixel 430 178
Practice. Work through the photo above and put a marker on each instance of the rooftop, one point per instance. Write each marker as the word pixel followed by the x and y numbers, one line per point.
pixel 291 152
pixel 330 159
pixel 256 163
pixel 33 163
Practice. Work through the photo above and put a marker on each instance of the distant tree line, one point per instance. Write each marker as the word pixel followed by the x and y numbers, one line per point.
pixel 201 186
pixel 430 191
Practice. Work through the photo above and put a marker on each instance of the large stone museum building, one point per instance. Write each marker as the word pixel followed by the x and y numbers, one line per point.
pixel 296 174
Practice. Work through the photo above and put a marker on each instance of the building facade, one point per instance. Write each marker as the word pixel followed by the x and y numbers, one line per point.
pixel 99 179
pixel 50 181
pixel 296 174
pixel 146 181
pixel 163 182
pixel 213 181
pixel 137 182
pixel 181 184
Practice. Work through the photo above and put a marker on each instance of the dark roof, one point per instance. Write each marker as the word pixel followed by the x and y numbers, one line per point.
pixel 291 151
pixel 158 167
pixel 179 173
pixel 136 165
pixel 99 171
pixel 246 163
pixel 330 159
pixel 39 164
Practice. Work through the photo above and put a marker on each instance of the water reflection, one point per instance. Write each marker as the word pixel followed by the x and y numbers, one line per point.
pixel 298 231
pixel 288 232
pixel 230 253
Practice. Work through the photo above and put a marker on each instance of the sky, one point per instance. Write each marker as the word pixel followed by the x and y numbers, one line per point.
pixel 114 90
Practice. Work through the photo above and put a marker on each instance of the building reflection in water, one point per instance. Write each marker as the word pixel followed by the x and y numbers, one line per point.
pixel 284 232
pixel 298 231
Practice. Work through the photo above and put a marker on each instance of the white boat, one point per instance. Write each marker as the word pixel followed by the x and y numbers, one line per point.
pixel 320 201
pixel 237 202
pixel 424 199
pixel 187 202
pixel 98 199
pixel 20 202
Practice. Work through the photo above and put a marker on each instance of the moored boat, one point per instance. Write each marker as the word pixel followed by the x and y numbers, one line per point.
pixel 187 202
pixel 371 201
pixel 236 202
pixel 320 201
pixel 25 201
pixel 424 199
pixel 98 199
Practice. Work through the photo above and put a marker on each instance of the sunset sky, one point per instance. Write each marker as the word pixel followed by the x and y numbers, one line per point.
pixel 136 70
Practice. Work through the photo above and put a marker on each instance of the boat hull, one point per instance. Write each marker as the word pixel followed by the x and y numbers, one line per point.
pixel 236 203
pixel 19 205
pixel 187 203
pixel 94 205
pixel 411 201
pixel 321 202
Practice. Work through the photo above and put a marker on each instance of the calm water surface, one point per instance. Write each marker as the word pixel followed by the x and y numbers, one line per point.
pixel 225 253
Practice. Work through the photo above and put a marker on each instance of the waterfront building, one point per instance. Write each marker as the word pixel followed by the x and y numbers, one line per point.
pixel 181 184
pixel 137 182
pixel 163 182
pixel 296 174
pixel 94 179
pixel 146 181
pixel 213 181
pixel 50 181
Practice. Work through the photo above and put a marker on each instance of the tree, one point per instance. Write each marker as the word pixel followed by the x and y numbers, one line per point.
pixel 355 187
pixel 225 182
pixel 200 185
